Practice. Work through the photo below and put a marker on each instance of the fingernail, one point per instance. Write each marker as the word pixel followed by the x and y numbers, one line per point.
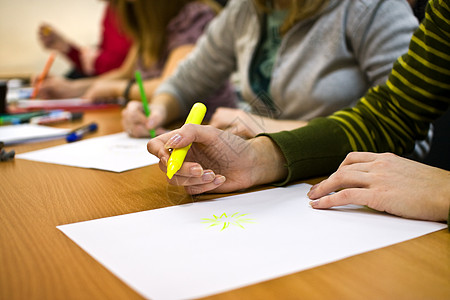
pixel 312 189
pixel 150 124
pixel 208 176
pixel 196 171
pixel 173 141
pixel 314 203
pixel 219 180
pixel 164 160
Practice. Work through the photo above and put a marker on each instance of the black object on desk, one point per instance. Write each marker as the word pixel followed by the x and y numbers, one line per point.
pixel 3 91
pixel 4 155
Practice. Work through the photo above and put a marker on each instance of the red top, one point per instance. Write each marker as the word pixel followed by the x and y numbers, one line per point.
pixel 113 47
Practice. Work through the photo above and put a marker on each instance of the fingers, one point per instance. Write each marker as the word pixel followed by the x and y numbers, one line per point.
pixel 241 130
pixel 134 120
pixel 192 176
pixel 346 177
pixel 207 187
pixel 157 116
pixel 194 179
pixel 223 117
pixel 359 157
pixel 350 182
pixel 237 121
pixel 186 179
pixel 89 95
pixel 156 146
pixel 191 133
pixel 348 196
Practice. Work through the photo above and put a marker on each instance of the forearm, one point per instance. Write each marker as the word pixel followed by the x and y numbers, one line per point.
pixel 81 85
pixel 444 208
pixel 170 105
pixel 273 126
pixel 269 162
pixel 313 150
pixel 149 85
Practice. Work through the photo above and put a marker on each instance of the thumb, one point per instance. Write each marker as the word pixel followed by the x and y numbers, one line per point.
pixel 193 133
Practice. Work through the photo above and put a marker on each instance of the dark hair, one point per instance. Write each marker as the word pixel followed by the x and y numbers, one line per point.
pixel 145 21
pixel 419 9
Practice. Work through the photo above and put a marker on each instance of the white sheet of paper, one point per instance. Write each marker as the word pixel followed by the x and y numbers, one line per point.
pixel 21 133
pixel 38 103
pixel 116 152
pixel 173 253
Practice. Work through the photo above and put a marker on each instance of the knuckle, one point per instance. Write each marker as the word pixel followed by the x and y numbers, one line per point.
pixel 381 164
pixel 344 195
pixel 162 167
pixel 339 176
pixel 387 155
pixel 194 190
pixel 188 126
pixel 350 155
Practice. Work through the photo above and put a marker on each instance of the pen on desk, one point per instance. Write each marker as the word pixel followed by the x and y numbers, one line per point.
pixel 177 156
pixel 20 118
pixel 144 99
pixel 79 133
pixel 57 117
pixel 42 76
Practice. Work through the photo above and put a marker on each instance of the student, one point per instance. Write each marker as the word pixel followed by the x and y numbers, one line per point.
pixel 88 61
pixel 387 119
pixel 295 60
pixel 418 7
pixel 164 33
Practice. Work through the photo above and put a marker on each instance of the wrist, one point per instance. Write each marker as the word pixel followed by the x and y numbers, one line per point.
pixel 119 88
pixel 125 95
pixel 444 207
pixel 269 162
pixel 158 115
pixel 169 105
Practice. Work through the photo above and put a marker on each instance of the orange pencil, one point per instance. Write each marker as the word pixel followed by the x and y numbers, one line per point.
pixel 42 76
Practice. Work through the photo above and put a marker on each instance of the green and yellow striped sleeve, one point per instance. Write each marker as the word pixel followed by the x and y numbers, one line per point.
pixel 390 117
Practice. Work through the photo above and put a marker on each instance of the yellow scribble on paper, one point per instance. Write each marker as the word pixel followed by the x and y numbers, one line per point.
pixel 225 221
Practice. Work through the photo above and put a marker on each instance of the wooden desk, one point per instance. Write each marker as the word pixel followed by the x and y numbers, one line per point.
pixel 37 261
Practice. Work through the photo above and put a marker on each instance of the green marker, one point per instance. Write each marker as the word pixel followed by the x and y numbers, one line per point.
pixel 144 100
pixel 20 118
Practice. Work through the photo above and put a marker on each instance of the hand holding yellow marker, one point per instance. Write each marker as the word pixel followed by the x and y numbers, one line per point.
pixel 176 159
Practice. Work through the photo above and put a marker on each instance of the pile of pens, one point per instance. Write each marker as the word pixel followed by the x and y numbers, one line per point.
pixel 40 117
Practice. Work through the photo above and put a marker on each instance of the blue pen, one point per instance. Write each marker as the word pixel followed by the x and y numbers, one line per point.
pixel 78 134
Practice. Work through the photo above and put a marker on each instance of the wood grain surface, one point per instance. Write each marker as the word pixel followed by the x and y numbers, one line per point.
pixel 37 261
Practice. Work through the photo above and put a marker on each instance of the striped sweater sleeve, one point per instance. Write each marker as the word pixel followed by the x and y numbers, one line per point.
pixel 390 117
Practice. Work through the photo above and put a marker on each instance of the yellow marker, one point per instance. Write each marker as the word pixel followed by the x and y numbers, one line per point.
pixel 176 159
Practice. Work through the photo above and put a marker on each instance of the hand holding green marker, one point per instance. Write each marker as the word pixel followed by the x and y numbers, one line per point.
pixel 177 157
pixel 137 74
